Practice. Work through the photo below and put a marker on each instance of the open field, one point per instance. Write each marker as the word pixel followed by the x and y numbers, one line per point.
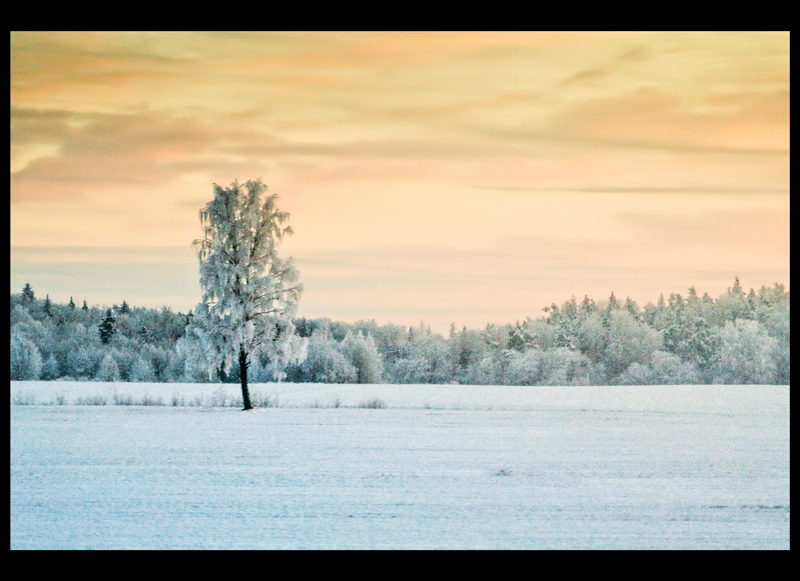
pixel 430 467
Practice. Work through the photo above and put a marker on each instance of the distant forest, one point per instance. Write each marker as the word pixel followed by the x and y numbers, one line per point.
pixel 739 338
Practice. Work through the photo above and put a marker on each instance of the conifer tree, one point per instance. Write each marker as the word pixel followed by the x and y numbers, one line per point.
pixel 107 329
pixel 47 307
pixel 27 293
pixel 124 309
pixel 71 303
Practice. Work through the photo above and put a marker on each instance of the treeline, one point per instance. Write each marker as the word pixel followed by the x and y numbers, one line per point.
pixel 741 337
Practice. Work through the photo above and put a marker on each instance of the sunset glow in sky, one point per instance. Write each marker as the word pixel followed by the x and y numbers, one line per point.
pixel 443 177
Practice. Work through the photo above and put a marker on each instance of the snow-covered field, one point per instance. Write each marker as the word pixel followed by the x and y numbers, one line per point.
pixel 438 467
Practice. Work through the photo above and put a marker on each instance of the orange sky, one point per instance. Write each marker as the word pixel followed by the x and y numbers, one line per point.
pixel 444 177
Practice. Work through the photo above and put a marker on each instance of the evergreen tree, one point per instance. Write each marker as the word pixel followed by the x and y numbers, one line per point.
pixel 612 306
pixel 124 309
pixel 519 338
pixel 85 307
pixel 27 294
pixel 107 329
pixel 588 306
pixel 71 303
pixel 632 307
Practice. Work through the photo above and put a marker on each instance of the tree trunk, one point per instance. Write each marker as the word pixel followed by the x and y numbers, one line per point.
pixel 243 372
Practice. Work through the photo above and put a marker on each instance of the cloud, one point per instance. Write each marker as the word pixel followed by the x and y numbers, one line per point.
pixel 586 76
pixel 636 189
pixel 762 230
pixel 97 150
pixel 754 123
pixel 635 55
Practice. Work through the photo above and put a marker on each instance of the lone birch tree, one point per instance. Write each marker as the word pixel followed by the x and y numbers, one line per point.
pixel 249 293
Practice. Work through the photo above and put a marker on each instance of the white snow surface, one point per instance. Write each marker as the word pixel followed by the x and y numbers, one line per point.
pixel 440 467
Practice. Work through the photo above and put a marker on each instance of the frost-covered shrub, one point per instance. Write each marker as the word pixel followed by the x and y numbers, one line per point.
pixel 361 353
pixel 664 369
pixel 777 325
pixel 82 363
pixel 375 403
pixel 50 368
pixel 490 370
pixel 410 370
pixel 324 363
pixel 260 371
pixel 564 366
pixel 150 400
pixel 124 354
pixel 466 349
pixel 175 370
pixel 746 354
pixel 590 338
pixel 26 361
pixel 636 374
pixel 38 334
pixel 263 400
pixel 20 314
pixel 96 399
pixel 122 398
pixel 560 366
pixel 80 353
pixel 525 368
pixel 142 371
pixel 425 358
pixel 629 342
pixel 196 353
pixel 108 371
pixel 157 358
pixel 670 370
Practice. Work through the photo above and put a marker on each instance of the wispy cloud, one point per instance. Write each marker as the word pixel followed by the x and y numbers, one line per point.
pixel 586 76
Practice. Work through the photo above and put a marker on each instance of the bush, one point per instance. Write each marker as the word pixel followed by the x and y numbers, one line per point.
pixel 325 363
pixel 109 371
pixel 262 400
pixel 561 366
pixel 664 369
pixel 50 369
pixel 148 400
pixel 24 399
pixel 119 399
pixel 26 361
pixel 746 354
pixel 375 403
pixel 142 371
pixel 362 354
pixel 628 342
pixel 96 399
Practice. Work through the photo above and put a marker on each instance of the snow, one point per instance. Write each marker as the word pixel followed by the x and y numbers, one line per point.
pixel 695 467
